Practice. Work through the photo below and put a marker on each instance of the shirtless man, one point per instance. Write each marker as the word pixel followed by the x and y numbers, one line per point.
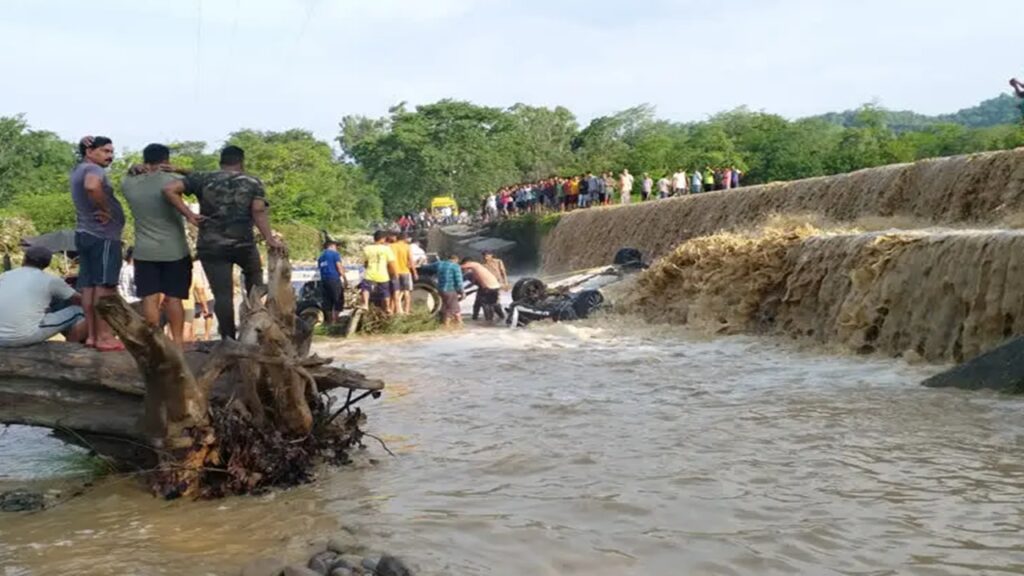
pixel 489 287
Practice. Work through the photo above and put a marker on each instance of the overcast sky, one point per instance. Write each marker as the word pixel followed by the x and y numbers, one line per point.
pixel 159 70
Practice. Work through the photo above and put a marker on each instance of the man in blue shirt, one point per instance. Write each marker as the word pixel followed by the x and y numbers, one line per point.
pixel 449 284
pixel 332 275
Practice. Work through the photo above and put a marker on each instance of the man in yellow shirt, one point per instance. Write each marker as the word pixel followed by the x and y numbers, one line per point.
pixel 379 260
pixel 405 274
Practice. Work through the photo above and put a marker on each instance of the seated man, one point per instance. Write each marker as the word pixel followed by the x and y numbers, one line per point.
pixel 26 294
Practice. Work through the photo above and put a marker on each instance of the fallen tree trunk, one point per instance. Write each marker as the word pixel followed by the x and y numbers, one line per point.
pixel 218 418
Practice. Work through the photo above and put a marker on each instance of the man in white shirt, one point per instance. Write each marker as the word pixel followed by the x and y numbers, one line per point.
pixel 27 294
pixel 419 256
pixel 663 187
pixel 679 183
pixel 625 186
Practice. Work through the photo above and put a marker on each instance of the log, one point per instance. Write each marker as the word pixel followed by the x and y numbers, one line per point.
pixel 69 387
pixel 231 417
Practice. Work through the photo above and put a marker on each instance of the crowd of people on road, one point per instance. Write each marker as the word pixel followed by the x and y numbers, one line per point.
pixel 592 189
pixel 160 274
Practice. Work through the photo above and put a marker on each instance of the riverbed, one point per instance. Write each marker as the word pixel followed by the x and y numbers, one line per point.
pixel 604 447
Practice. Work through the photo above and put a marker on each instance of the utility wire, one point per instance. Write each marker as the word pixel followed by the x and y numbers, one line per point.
pixel 199 46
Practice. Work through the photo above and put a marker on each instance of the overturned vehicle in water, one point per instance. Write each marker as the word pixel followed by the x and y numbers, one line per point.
pixel 573 297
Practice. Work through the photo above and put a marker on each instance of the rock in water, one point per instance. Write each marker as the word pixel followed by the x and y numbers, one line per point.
pixel 391 566
pixel 264 567
pixel 21 501
pixel 350 561
pixel 1000 369
pixel 342 571
pixel 323 562
pixel 344 543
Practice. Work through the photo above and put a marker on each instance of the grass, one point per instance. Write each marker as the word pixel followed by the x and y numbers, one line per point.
pixel 84 464
pixel 375 322
pixel 527 231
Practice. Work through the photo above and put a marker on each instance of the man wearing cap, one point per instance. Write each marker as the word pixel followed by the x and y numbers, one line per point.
pixel 99 223
pixel 27 294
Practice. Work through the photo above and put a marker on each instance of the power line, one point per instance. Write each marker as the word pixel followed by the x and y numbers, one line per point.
pixel 199 46
pixel 310 8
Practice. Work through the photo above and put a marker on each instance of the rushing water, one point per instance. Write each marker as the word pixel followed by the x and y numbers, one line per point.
pixel 604 448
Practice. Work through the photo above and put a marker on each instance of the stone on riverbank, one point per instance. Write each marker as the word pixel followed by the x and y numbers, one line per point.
pixel 21 501
pixel 296 570
pixel 391 566
pixel 323 562
pixel 345 543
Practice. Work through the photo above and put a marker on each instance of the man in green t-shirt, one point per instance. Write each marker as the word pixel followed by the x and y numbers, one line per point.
pixel 163 266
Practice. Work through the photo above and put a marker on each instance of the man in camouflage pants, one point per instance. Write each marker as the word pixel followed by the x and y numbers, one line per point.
pixel 230 203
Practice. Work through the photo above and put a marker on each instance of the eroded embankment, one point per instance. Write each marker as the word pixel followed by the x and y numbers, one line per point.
pixel 943 295
pixel 976 189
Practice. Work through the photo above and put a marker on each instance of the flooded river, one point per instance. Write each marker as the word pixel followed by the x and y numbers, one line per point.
pixel 601 448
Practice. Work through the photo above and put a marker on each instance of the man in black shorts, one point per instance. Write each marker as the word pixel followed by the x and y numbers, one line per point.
pixel 163 266
pixel 332 276
pixel 100 221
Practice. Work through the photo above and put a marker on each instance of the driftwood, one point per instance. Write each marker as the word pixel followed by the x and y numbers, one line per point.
pixel 225 417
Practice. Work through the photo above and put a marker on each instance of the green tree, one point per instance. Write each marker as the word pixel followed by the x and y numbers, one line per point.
pixel 447 148
pixel 304 181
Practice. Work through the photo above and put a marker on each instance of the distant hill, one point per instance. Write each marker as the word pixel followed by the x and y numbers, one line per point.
pixel 999 110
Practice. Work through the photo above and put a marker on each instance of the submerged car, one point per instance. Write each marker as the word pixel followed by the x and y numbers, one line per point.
pixel 574 297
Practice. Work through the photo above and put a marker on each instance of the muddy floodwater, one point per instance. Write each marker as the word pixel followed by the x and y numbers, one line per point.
pixel 599 448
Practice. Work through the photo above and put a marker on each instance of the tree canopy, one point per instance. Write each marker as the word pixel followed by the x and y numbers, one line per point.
pixel 396 163
pixel 305 181
pixel 461 149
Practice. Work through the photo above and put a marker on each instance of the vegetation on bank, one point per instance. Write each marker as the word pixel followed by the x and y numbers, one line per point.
pixel 467 150
pixel 395 164
pixel 374 322
pixel 527 231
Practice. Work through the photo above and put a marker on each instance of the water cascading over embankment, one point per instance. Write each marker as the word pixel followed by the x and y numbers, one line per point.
pixel 943 295
pixel 978 189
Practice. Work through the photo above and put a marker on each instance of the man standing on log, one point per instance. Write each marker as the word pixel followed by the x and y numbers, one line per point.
pixel 163 266
pixel 230 203
pixel 100 222
pixel 27 293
